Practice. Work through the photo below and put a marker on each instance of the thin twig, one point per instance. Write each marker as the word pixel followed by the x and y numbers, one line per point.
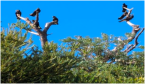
pixel 33 32
pixel 128 47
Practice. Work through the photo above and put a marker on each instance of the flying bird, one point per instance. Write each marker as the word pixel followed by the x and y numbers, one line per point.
pixel 55 19
pixel 36 24
pixel 18 12
pixel 124 5
pixel 122 16
pixel 34 13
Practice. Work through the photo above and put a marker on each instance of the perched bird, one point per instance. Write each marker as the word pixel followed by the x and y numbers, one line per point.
pixel 127 18
pixel 36 24
pixel 34 13
pixel 124 5
pixel 18 12
pixel 55 19
pixel 124 14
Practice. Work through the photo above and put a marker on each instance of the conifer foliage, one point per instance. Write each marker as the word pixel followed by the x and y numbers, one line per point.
pixel 76 60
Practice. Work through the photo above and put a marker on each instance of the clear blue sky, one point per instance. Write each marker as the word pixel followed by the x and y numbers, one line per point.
pixel 85 18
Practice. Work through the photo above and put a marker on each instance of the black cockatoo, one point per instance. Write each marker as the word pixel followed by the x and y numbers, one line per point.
pixel 124 5
pixel 18 12
pixel 34 13
pixel 127 18
pixel 55 19
pixel 36 24
pixel 124 14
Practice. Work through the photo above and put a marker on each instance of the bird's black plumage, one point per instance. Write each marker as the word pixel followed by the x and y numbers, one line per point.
pixel 18 12
pixel 127 18
pixel 36 24
pixel 124 5
pixel 55 19
pixel 34 13
pixel 123 15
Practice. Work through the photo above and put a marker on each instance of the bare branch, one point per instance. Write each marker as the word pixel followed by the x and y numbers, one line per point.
pixel 33 32
pixel 21 17
pixel 47 26
pixel 43 34
pixel 129 11
pixel 136 43
pixel 128 47
pixel 134 31
pixel 129 39
pixel 129 23
pixel 37 16
pixel 127 8
pixel 138 35
pixel 32 25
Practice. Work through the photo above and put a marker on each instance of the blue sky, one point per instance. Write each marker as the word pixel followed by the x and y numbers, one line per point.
pixel 84 18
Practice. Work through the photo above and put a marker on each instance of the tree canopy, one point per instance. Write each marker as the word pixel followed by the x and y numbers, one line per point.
pixel 76 60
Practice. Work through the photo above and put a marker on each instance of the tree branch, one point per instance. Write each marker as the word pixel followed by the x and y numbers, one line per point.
pixel 127 8
pixel 134 31
pixel 129 39
pixel 136 43
pixel 47 26
pixel 125 42
pixel 129 23
pixel 37 16
pixel 31 24
pixel 33 33
pixel 129 11
pixel 128 47
pixel 43 34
